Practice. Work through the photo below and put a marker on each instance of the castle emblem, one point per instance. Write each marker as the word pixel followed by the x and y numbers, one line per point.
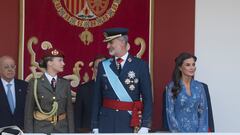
pixel 86 14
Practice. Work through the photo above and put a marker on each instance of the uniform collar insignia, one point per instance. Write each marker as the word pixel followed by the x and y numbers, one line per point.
pixel 129 59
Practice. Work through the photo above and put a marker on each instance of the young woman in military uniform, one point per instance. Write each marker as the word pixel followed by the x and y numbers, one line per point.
pixel 48 106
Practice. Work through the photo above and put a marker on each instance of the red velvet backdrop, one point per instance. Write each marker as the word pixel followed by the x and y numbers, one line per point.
pixel 9 28
pixel 173 33
pixel 42 21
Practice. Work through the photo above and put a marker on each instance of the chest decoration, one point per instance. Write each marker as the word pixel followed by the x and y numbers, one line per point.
pixel 129 59
pixel 131 80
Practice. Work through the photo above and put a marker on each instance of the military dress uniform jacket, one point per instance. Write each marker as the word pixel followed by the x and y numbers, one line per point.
pixel 6 116
pixel 135 78
pixel 45 96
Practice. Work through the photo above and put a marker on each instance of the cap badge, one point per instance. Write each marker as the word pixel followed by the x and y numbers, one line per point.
pixel 55 52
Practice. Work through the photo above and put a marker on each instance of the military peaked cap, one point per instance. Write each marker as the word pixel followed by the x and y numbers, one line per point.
pixel 113 33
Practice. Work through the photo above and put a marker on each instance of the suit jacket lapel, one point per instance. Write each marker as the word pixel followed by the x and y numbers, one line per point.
pixel 113 66
pixel 59 86
pixel 45 83
pixel 127 64
pixel 17 94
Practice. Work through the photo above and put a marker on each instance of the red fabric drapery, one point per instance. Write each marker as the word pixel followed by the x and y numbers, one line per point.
pixel 43 21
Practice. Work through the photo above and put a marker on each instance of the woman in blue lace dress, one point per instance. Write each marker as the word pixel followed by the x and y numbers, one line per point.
pixel 186 104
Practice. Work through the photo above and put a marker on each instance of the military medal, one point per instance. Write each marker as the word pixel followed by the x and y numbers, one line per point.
pixel 131 74
pixel 131 80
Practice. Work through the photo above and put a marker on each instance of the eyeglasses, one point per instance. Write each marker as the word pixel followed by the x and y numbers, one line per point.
pixel 7 67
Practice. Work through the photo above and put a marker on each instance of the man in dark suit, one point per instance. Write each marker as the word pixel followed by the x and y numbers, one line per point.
pixel 122 89
pixel 12 95
pixel 83 104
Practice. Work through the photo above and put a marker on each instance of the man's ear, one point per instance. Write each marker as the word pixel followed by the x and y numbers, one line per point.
pixel 128 47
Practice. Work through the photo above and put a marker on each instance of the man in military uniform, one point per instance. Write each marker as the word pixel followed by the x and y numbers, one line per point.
pixel 121 83
pixel 48 107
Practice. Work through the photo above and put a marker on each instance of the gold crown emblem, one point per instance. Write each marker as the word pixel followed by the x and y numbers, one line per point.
pixel 55 52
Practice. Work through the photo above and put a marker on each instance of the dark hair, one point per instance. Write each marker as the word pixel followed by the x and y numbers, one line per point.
pixel 99 56
pixel 177 74
pixel 124 38
pixel 43 62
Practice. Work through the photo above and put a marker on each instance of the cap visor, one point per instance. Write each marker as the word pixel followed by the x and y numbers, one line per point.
pixel 107 39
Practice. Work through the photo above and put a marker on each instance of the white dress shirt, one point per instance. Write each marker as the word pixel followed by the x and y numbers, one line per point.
pixel 49 77
pixel 124 58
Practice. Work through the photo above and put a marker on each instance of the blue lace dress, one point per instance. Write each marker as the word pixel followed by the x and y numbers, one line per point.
pixel 187 113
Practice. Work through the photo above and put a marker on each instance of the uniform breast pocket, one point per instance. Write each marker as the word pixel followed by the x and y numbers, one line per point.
pixel 44 97
pixel 62 97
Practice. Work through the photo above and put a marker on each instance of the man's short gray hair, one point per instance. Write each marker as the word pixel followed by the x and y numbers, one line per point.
pixel 124 38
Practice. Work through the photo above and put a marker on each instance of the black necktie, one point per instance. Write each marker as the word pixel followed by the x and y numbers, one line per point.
pixel 119 67
pixel 53 84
